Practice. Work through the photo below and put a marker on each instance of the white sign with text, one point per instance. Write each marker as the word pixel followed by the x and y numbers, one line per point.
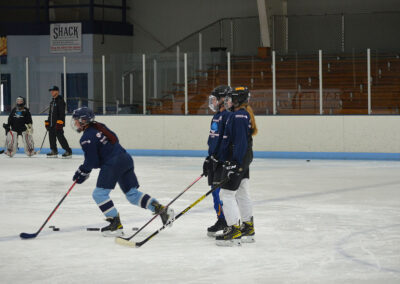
pixel 65 37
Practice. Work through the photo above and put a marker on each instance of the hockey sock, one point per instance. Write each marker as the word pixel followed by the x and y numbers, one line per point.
pixel 102 197
pixel 218 204
pixel 139 198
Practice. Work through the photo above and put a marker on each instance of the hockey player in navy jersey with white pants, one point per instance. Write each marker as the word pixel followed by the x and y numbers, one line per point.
pixel 212 167
pixel 237 147
pixel 102 150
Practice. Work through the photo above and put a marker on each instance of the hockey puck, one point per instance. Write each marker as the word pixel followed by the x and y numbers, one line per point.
pixel 92 229
pixel 56 229
pixel 135 229
pixel 52 227
pixel 308 160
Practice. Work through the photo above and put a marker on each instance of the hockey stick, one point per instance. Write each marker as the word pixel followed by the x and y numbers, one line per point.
pixel 124 242
pixel 155 216
pixel 44 138
pixel 30 236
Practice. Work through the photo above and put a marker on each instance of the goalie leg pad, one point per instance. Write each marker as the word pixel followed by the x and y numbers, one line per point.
pixel 28 143
pixel 11 143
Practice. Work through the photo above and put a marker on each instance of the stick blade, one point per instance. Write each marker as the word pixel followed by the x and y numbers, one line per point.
pixel 125 243
pixel 27 236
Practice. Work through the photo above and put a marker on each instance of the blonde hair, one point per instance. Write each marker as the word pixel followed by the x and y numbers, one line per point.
pixel 252 119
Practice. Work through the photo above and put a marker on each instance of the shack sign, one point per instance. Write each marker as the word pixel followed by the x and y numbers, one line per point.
pixel 65 37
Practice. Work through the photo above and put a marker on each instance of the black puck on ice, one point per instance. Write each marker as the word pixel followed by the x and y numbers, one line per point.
pixel 56 229
pixel 92 229
pixel 52 227
pixel 135 229
pixel 308 160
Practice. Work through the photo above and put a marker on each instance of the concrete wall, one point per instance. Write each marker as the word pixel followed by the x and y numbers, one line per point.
pixel 363 27
pixel 159 23
pixel 278 135
pixel 304 7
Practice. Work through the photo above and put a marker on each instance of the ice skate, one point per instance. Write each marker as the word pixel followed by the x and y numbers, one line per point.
pixel 114 229
pixel 66 155
pixel 248 233
pixel 230 237
pixel 52 154
pixel 218 226
pixel 166 214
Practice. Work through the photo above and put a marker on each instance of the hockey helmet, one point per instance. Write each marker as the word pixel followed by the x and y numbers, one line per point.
pixel 20 101
pixel 237 97
pixel 81 117
pixel 216 94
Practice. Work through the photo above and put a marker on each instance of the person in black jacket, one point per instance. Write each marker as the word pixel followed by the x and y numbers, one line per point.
pixel 55 124
pixel 19 124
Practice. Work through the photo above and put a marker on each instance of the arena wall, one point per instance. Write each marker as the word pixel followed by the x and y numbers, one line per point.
pixel 330 137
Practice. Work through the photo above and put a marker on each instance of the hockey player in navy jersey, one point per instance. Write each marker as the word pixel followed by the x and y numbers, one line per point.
pixel 212 167
pixel 237 148
pixel 19 124
pixel 102 150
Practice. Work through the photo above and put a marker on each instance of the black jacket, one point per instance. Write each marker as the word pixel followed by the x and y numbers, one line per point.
pixel 57 111
pixel 18 118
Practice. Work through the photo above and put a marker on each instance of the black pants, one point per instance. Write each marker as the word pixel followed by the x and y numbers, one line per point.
pixel 59 134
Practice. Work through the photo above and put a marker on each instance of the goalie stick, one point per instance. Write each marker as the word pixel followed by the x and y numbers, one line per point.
pixel 124 242
pixel 34 235
pixel 37 152
pixel 155 216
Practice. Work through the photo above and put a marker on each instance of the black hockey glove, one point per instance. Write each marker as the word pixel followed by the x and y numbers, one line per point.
pixel 214 162
pixel 206 166
pixel 232 169
pixel 81 175
pixel 6 127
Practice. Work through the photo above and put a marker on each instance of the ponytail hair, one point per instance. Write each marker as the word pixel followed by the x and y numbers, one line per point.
pixel 254 129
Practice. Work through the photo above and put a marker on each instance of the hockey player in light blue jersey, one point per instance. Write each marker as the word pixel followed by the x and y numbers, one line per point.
pixel 212 166
pixel 102 150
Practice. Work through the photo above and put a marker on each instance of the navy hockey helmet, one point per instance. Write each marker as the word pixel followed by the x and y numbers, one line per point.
pixel 237 97
pixel 20 101
pixel 81 117
pixel 216 94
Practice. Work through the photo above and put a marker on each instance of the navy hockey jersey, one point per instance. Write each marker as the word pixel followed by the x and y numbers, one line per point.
pixel 237 140
pixel 97 148
pixel 217 128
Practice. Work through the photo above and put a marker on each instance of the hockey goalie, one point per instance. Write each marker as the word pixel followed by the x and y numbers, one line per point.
pixel 19 124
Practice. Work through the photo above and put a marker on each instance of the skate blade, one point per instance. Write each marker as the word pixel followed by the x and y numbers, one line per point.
pixel 52 157
pixel 125 243
pixel 212 234
pixel 68 157
pixel 248 239
pixel 116 233
pixel 229 243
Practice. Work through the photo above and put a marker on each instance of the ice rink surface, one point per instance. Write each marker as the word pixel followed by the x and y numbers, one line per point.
pixel 316 222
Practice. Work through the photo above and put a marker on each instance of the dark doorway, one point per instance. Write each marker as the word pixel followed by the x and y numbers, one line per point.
pixel 5 80
pixel 77 90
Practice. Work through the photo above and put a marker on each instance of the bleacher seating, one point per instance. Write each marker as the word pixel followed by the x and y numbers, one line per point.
pixel 297 86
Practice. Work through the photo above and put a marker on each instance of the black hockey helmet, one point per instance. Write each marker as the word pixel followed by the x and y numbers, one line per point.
pixel 220 91
pixel 237 97
pixel 216 94
pixel 20 101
